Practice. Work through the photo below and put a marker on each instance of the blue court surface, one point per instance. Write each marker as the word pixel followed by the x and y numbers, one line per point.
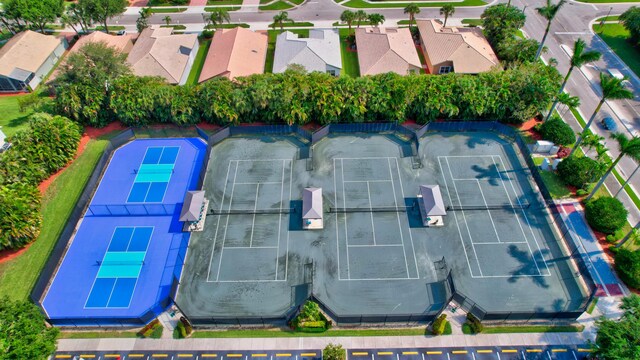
pixel 121 263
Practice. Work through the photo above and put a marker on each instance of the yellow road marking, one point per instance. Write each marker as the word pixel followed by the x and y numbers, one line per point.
pixel 459 352
pixel 484 351
pixel 209 355
pixel 409 353
pixel 359 353
pixel 534 350
pixel 385 353
pixel 258 355
pixel 111 355
pixel 159 355
pixel 509 350
pixel 558 350
pixel 185 355
pixel 584 350
pixel 63 356
pixel 135 355
pixel 87 356
pixel 434 352
pixel 308 354
pixel 234 355
pixel 287 355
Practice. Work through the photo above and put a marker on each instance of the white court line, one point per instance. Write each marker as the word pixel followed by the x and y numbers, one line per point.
pixel 515 213
pixel 395 203
pixel 535 239
pixel 253 222
pixel 413 248
pixel 381 245
pixel 373 225
pixel 280 218
pixel 463 217
pixel 286 262
pixel 215 237
pixel 335 195
pixel 346 234
pixel 488 211
pixel 224 238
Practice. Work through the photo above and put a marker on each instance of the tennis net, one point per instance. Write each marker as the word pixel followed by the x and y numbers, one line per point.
pixel 119 262
pixel 371 209
pixel 250 212
pixel 488 207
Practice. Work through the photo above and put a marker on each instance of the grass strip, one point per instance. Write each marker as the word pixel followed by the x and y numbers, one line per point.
pixel 198 62
pixel 167 10
pixel 278 5
pixel 617 37
pixel 532 329
pixel 361 4
pixel 96 334
pixel 18 276
pixel 293 24
pixel 350 64
pixel 278 333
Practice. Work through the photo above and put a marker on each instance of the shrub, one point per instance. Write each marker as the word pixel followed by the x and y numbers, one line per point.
pixel 147 330
pixel 474 324
pixel 24 333
pixel 187 325
pixel 578 171
pixel 181 331
pixel 156 333
pixel 628 266
pixel 207 34
pixel 439 325
pixel 466 329
pixel 606 214
pixel 334 352
pixel 20 218
pixel 557 131
pixel 447 328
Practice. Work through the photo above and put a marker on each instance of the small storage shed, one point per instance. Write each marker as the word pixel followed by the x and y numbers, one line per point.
pixel 194 210
pixel 432 208
pixel 312 212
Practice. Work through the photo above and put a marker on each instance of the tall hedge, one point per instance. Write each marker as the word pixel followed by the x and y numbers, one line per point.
pixel 294 97
pixel 20 218
pixel 628 266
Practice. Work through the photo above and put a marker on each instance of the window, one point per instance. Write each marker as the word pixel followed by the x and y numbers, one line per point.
pixel 445 69
pixel 331 72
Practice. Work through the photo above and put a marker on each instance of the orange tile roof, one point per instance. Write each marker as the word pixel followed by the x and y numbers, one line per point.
pixel 234 53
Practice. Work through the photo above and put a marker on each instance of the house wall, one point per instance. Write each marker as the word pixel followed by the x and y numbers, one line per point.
pixel 337 70
pixel 48 65
pixel 187 69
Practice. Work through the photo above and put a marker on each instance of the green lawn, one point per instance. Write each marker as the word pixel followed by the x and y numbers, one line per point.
pixel 555 185
pixel 96 334
pixel 18 276
pixel 609 18
pixel 11 119
pixel 162 3
pixel 293 24
pixel 227 8
pixel 231 26
pixel 278 5
pixel 520 34
pixel 363 4
pixel 167 10
pixel 531 329
pixel 350 65
pixel 264 333
pixel 616 36
pixel 473 22
pixel 196 69
pixel 224 2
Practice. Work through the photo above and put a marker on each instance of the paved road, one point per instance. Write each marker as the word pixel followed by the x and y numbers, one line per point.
pixel 459 353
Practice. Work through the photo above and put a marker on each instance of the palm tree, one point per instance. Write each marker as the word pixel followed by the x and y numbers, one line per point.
pixel 446 11
pixel 412 9
pixel 627 147
pixel 280 19
pixel 612 89
pixel 579 58
pixel 348 17
pixel 376 19
pixel 360 16
pixel 548 12
pixel 167 19
pixel 217 17
pixel 143 20
pixel 571 102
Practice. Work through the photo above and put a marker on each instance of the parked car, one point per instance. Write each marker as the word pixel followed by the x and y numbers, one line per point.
pixel 609 124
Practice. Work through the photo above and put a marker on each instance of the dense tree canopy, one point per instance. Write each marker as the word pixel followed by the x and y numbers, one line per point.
pixel 628 266
pixel 620 339
pixel 501 24
pixel 20 218
pixel 23 332
pixel 631 21
pixel 36 13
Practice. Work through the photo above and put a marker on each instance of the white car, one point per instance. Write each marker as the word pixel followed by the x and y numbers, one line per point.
pixel 615 73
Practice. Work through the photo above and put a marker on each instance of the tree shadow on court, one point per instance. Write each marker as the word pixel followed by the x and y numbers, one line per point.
pixel 490 173
pixel 474 141
pixel 528 266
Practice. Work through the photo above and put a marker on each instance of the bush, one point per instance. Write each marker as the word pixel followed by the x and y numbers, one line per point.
pixel 20 218
pixel 606 214
pixel 447 328
pixel 207 34
pixel 439 325
pixel 578 171
pixel 24 333
pixel 147 330
pixel 474 324
pixel 557 131
pixel 628 266
pixel 334 352
pixel 156 333
pixel 181 331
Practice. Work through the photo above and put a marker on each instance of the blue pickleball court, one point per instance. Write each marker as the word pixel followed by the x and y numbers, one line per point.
pixel 153 174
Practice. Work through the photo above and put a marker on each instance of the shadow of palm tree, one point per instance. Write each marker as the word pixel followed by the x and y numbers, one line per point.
pixel 473 141
pixel 491 173
pixel 529 266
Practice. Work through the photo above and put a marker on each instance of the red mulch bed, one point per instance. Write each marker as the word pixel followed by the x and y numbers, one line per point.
pixel 207 126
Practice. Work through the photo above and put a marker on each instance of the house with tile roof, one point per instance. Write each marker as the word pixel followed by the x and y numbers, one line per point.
pixel 463 50
pixel 27 58
pixel 122 43
pixel 319 52
pixel 234 53
pixel 383 50
pixel 159 52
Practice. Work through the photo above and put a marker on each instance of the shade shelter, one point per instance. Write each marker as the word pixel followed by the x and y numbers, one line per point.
pixel 312 214
pixel 432 208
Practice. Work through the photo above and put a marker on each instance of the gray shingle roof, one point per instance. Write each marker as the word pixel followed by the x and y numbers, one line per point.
pixel 312 203
pixel 322 48
pixel 192 206
pixel 432 200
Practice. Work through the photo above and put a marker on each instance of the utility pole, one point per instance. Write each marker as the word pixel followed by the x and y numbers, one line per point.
pixel 627 181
